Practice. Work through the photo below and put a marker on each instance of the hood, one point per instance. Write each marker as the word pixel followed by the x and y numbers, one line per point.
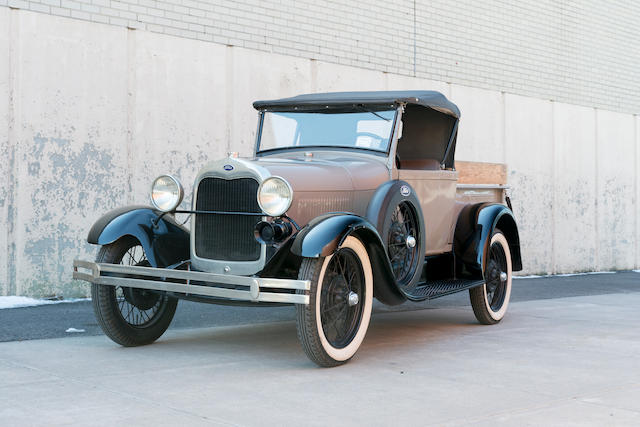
pixel 327 171
pixel 324 171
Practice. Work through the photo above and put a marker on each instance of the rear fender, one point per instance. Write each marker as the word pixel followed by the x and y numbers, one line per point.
pixel 165 242
pixel 476 224
pixel 324 234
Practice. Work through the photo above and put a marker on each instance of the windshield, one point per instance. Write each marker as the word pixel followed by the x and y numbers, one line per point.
pixel 364 129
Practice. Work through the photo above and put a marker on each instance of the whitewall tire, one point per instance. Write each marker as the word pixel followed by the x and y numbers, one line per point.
pixel 332 327
pixel 491 300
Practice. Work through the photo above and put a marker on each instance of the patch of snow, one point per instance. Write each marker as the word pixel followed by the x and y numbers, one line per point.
pixel 535 276
pixel 17 302
pixel 636 271
pixel 74 330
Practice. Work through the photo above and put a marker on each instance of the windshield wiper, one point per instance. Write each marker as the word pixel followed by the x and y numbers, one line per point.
pixel 361 107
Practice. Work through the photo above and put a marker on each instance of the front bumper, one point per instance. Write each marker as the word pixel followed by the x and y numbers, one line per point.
pixel 224 286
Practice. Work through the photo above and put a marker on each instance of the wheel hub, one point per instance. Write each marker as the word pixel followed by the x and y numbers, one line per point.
pixel 140 298
pixel 411 242
pixel 353 299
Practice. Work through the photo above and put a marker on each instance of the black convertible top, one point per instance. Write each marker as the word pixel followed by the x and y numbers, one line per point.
pixel 425 98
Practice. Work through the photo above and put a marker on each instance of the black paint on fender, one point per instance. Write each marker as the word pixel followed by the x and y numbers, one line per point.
pixel 324 234
pixel 381 207
pixel 474 228
pixel 165 242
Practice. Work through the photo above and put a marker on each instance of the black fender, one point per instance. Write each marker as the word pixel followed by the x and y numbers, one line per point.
pixel 474 228
pixel 324 234
pixel 165 242
pixel 387 197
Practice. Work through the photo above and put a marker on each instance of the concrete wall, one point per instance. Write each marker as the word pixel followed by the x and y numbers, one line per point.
pixel 91 113
pixel 581 52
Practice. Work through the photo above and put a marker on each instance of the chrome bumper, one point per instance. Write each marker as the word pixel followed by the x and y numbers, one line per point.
pixel 256 289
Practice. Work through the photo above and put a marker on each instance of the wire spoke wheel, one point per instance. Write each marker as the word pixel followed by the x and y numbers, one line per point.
pixel 334 323
pixel 130 316
pixel 340 312
pixel 495 276
pixel 401 243
pixel 138 307
pixel 490 300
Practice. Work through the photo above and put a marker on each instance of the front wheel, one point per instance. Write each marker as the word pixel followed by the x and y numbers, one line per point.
pixel 130 316
pixel 333 325
pixel 490 300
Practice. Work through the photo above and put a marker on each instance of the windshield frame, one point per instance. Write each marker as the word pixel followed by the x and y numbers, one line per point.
pixel 359 108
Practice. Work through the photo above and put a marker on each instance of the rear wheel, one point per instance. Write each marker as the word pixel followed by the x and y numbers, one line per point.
pixel 130 316
pixel 490 301
pixel 333 325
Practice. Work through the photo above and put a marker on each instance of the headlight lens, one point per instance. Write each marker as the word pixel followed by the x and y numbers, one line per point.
pixel 275 196
pixel 166 193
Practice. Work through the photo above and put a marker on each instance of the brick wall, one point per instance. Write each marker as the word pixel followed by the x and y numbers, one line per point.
pixel 581 51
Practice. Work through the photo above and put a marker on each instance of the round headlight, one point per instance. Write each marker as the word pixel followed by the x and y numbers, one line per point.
pixel 166 193
pixel 275 196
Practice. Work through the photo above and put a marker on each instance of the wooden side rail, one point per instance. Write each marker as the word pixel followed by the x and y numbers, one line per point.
pixel 481 173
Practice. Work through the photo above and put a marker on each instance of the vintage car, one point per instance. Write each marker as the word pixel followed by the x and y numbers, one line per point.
pixel 348 196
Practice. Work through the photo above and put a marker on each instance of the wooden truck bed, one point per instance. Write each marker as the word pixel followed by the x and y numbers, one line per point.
pixel 481 182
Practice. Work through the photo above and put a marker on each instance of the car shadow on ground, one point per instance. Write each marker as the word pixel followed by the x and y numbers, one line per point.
pixel 278 342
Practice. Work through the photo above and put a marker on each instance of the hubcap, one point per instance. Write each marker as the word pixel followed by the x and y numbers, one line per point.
pixel 411 242
pixel 353 299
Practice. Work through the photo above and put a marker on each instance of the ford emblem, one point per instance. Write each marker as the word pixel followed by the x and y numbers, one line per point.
pixel 405 190
pixel 227 167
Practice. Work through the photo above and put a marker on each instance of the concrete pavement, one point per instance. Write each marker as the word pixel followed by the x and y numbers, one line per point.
pixel 566 361
pixel 53 320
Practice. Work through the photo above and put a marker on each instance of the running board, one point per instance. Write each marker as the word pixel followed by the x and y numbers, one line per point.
pixel 439 288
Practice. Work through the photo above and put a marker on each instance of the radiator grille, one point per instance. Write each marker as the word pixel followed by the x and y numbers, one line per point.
pixel 227 237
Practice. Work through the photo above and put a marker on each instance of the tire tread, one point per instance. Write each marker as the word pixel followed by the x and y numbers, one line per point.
pixel 111 324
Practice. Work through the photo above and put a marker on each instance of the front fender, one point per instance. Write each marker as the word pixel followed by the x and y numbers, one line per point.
pixel 165 242
pixel 474 228
pixel 324 234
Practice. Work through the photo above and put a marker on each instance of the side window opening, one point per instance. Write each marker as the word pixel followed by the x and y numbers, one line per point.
pixel 425 136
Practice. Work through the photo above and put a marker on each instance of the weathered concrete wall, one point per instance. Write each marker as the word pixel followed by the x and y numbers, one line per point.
pixel 575 192
pixel 616 177
pixel 90 114
pixel 68 140
pixel 5 152
pixel 637 183
pixel 529 154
